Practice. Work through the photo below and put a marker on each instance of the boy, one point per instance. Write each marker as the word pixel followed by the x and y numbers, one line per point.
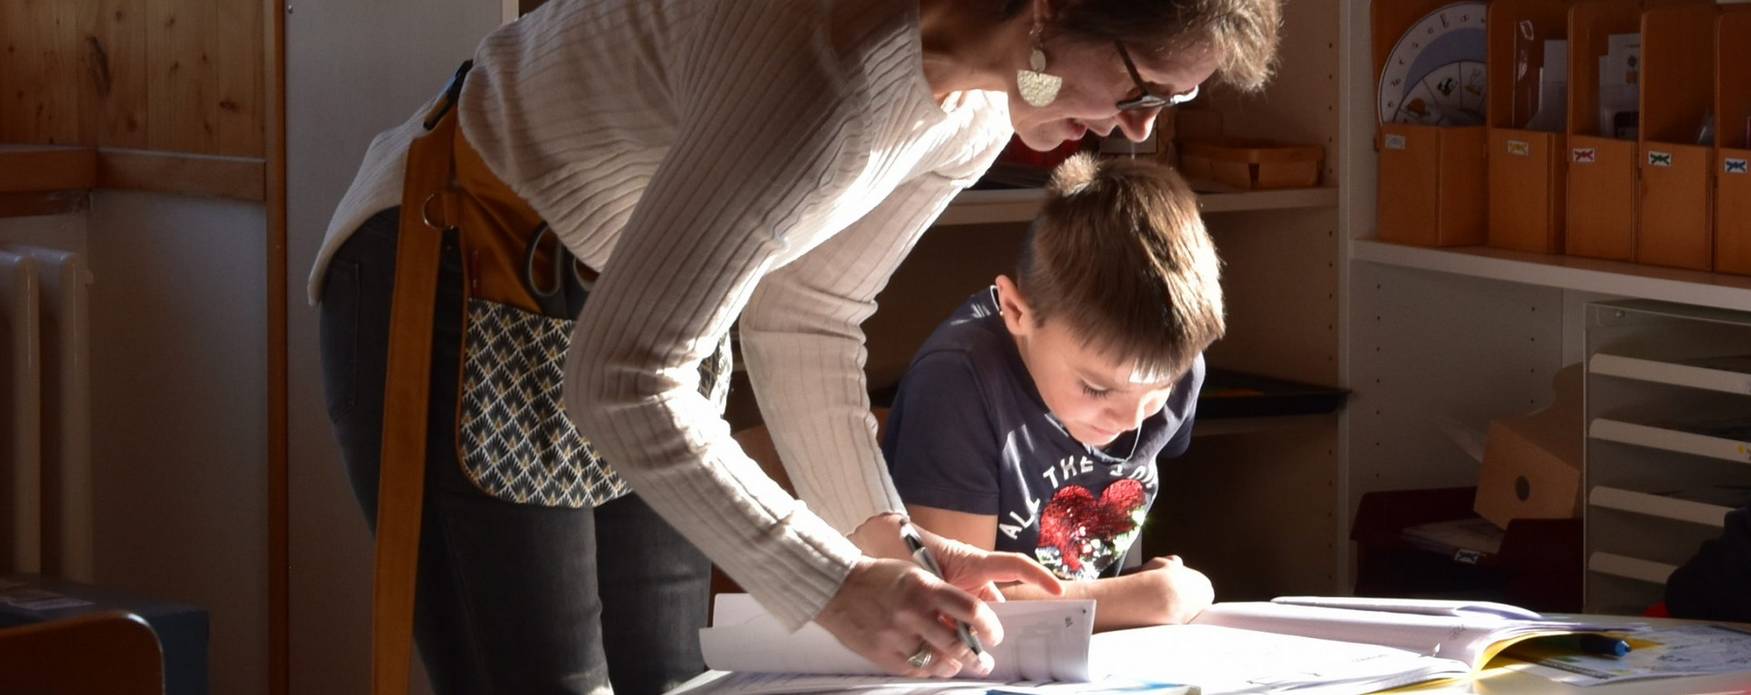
pixel 1031 419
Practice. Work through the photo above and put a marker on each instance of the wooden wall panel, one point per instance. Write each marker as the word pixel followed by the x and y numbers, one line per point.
pixel 37 71
pixel 239 60
pixel 113 96
pixel 168 75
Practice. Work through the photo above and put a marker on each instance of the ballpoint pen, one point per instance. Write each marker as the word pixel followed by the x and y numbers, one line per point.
pixel 921 555
pixel 1589 643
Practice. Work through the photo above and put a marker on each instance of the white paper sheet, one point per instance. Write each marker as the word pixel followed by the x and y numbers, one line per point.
pixel 1043 641
pixel 1227 660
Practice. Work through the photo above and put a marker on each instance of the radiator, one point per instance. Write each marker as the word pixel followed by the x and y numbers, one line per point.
pixel 45 334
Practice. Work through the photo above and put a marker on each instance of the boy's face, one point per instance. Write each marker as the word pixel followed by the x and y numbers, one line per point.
pixel 1086 390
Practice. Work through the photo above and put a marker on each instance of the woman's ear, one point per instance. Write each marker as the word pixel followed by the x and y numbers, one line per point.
pixel 1018 317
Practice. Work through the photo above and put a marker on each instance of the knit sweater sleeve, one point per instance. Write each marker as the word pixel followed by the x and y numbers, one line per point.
pixel 803 344
pixel 765 138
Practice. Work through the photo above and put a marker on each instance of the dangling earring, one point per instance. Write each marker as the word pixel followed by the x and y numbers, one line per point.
pixel 1037 88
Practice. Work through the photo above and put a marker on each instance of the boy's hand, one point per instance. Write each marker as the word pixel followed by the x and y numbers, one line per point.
pixel 1183 592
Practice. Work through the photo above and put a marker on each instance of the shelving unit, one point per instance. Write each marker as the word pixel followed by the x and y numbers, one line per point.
pixel 997 206
pixel 1727 375
pixel 1661 506
pixel 1670 440
pixel 1443 340
pixel 1665 454
pixel 1621 567
pixel 1565 273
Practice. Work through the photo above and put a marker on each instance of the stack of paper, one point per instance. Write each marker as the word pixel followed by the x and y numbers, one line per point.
pixel 1298 644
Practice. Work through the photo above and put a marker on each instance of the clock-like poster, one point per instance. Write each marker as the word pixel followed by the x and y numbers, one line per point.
pixel 1435 74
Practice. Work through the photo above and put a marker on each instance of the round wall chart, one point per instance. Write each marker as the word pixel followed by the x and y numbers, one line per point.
pixel 1435 74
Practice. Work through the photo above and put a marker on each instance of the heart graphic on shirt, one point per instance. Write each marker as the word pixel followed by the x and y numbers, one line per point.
pixel 1081 529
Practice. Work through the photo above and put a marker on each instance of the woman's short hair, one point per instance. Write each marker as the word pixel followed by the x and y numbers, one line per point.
pixel 1244 33
pixel 1120 254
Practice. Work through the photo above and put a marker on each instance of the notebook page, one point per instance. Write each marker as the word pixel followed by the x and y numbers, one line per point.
pixel 1464 639
pixel 1428 635
pixel 1482 609
pixel 1043 641
pixel 1219 659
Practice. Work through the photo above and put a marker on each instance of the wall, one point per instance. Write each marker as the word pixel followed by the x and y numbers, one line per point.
pixel 352 69
pixel 178 407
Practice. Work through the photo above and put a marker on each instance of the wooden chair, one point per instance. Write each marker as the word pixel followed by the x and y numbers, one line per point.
pixel 96 654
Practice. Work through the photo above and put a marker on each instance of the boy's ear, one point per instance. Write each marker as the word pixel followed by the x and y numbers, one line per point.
pixel 1018 317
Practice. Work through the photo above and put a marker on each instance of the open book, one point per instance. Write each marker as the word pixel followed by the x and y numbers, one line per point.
pixel 1293 644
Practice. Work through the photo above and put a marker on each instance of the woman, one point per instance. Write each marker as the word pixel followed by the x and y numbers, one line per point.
pixel 713 160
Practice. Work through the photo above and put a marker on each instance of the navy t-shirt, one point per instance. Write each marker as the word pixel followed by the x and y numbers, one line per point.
pixel 969 432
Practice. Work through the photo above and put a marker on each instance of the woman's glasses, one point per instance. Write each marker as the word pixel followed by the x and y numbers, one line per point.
pixel 1146 99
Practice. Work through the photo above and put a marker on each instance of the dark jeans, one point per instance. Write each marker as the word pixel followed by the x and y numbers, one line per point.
pixel 511 598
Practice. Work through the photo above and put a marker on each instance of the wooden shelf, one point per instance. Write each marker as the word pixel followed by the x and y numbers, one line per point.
pixel 1702 374
pixel 1566 272
pixel 49 172
pixel 1661 506
pixel 46 168
pixel 1021 204
pixel 1663 439
pixel 1630 567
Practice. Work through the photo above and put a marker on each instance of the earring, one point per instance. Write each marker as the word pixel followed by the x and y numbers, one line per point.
pixel 1038 88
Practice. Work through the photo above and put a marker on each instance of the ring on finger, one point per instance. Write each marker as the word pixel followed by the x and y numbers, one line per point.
pixel 922 658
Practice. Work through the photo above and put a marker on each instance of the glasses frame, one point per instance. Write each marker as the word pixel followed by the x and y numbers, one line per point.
pixel 1145 98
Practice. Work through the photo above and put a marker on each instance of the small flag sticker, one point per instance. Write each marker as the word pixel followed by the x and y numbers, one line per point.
pixel 1735 165
pixel 1395 142
pixel 1519 148
pixel 1659 159
pixel 1585 155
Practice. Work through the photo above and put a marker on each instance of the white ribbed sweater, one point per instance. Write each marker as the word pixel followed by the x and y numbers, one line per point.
pixel 771 159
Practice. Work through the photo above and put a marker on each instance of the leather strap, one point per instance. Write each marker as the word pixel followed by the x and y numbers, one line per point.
pixel 428 208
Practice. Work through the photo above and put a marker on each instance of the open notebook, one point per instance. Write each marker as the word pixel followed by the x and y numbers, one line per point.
pixel 1294 644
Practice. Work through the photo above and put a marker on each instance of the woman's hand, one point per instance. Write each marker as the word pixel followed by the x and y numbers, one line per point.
pixel 888 609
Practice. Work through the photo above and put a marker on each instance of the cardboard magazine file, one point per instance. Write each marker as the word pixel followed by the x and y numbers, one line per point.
pixel 1733 141
pixel 1600 219
pixel 1431 183
pixel 1677 96
pixel 1526 156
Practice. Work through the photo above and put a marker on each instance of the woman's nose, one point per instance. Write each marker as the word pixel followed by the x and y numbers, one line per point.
pixel 1137 124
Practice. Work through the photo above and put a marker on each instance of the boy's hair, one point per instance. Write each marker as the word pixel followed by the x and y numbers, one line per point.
pixel 1121 256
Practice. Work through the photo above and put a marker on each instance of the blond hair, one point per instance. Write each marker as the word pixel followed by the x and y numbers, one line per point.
pixel 1120 254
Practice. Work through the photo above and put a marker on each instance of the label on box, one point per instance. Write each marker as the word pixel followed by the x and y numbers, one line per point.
pixel 1519 148
pixel 1735 165
pixel 1395 142
pixel 1659 159
pixel 1584 155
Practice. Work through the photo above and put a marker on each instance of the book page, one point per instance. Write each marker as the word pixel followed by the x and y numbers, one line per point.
pixel 1220 659
pixel 1043 641
pixel 1464 639
pixel 1458 609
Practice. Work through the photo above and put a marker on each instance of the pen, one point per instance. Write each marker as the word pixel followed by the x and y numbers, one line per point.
pixel 1586 643
pixel 921 555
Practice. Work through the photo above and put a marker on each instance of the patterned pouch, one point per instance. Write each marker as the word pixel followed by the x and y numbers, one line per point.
pixel 515 440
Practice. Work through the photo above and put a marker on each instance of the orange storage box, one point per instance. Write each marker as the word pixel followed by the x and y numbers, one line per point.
pixel 1252 164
